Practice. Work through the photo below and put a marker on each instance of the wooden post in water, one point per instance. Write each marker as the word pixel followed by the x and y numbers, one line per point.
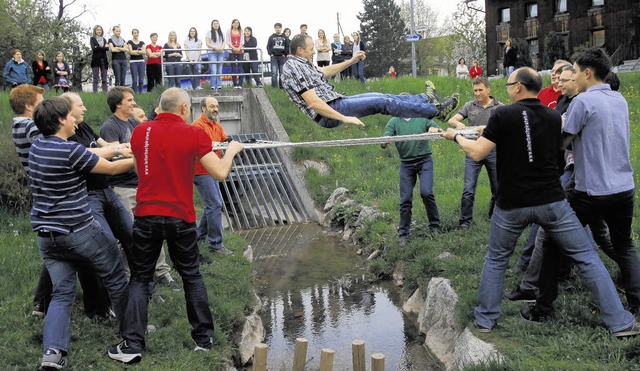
pixel 260 357
pixel 300 355
pixel 377 362
pixel 357 352
pixel 326 359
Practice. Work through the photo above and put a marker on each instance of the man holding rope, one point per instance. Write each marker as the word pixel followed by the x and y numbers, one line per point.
pixel 308 89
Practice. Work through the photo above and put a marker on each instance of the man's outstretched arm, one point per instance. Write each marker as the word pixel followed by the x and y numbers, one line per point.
pixel 476 149
pixel 334 69
pixel 323 109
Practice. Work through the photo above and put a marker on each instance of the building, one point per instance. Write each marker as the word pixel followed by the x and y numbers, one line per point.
pixel 611 24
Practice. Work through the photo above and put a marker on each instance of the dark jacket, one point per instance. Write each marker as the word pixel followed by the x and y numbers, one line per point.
pixel 510 57
pixel 278 45
pixel 99 53
pixel 251 43
pixel 38 73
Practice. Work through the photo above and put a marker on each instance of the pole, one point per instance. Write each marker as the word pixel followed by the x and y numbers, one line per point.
pixel 413 45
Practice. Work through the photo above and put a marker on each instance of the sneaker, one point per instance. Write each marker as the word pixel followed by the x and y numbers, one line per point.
pixel 464 226
pixel 156 298
pixel 633 330
pixel 54 358
pixel 430 92
pixel 198 348
pixel 260 86
pixel 166 280
pixel 151 329
pixel 517 294
pixel 38 310
pixel 205 260
pixel 237 87
pixel 124 353
pixel 447 107
pixel 482 329
pixel 198 87
pixel 403 241
pixel 222 251
pixel 532 315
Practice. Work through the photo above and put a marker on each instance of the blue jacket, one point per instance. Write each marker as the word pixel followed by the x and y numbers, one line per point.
pixel 17 73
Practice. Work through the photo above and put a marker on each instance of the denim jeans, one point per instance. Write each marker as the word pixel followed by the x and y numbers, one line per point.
pixel 358 71
pixel 115 219
pixel 137 76
pixel 562 225
pixel 471 173
pixel 173 70
pixel 210 224
pixel 216 68
pixel 387 104
pixel 195 71
pixel 119 67
pixel 276 70
pixel 421 169
pixel 99 74
pixel 235 68
pixel 149 232
pixel 62 255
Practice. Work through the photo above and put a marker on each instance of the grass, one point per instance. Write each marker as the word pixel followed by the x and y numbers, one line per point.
pixel 575 339
pixel 228 279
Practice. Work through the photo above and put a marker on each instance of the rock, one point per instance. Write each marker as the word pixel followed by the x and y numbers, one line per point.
pixel 469 350
pixel 359 251
pixel 322 168
pixel 374 255
pixel 437 319
pixel 367 213
pixel 414 303
pixel 445 255
pixel 248 253
pixel 398 273
pixel 252 334
pixel 348 232
pixel 336 196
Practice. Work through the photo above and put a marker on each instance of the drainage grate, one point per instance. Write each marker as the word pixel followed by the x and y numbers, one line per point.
pixel 258 192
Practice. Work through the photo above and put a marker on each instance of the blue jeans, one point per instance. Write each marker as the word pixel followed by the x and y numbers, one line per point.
pixel 149 232
pixel 562 225
pixel 387 104
pixel 119 70
pixel 216 68
pixel 173 70
pixel 62 255
pixel 276 70
pixel 195 70
pixel 420 169
pixel 509 70
pixel 137 76
pixel 471 173
pixel 210 224
pixel 100 73
pixel 358 71
pixel 108 210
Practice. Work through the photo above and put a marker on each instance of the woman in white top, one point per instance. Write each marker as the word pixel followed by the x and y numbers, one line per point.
pixel 323 49
pixel 215 43
pixel 193 57
pixel 462 71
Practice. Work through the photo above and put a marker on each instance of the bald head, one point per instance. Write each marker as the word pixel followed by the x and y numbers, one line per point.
pixel 77 106
pixel 176 101
pixel 523 83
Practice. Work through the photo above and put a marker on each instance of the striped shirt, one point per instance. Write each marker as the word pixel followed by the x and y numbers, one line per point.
pixel 58 187
pixel 299 76
pixel 24 132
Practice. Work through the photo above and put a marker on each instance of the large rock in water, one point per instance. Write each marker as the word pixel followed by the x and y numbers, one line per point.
pixel 252 334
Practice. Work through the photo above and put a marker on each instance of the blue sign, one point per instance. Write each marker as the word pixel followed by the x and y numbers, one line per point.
pixel 412 38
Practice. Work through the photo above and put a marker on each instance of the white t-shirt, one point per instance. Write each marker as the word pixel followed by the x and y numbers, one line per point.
pixel 460 72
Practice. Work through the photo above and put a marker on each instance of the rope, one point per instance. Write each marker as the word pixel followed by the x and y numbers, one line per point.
pixel 467 133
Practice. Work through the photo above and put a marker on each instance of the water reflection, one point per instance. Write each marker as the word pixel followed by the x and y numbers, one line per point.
pixel 316 291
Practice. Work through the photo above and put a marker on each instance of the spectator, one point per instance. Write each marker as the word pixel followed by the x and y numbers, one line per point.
pixel 510 57
pixel 41 71
pixel 251 56
pixel 475 70
pixel 336 50
pixel 358 68
pixel 234 41
pixel 549 96
pixel 215 43
pixel 172 56
pixel 278 49
pixel 61 72
pixel 347 53
pixel 137 52
pixel 392 73
pixel 323 48
pixel 16 71
pixel 99 61
pixel 462 71
pixel 287 33
pixel 193 49
pixel 154 63
pixel 303 29
pixel 119 49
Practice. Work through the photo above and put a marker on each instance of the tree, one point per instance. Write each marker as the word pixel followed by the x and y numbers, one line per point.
pixel 425 18
pixel 383 31
pixel 47 25
pixel 554 49
pixel 470 36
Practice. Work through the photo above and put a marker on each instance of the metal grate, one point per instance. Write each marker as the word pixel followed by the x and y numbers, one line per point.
pixel 258 192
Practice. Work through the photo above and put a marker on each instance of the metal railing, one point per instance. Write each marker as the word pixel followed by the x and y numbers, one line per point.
pixel 204 51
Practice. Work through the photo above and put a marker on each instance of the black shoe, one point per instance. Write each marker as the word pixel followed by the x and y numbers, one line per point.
pixel 527 296
pixel 447 107
pixel 633 330
pixel 205 260
pixel 168 281
pixel 532 315
pixel 124 353
pixel 403 240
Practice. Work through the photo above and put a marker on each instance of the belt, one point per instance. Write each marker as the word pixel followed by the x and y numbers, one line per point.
pixel 52 234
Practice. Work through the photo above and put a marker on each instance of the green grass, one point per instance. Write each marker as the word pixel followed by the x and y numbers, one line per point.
pixel 575 340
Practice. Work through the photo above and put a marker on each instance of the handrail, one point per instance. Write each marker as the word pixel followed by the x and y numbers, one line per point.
pixel 205 51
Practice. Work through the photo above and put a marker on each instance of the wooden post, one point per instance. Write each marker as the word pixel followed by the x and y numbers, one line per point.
pixel 260 357
pixel 300 355
pixel 357 352
pixel 377 362
pixel 326 359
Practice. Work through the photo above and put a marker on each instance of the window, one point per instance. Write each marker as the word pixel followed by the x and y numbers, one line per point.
pixel 598 3
pixel 532 10
pixel 533 47
pixel 561 6
pixel 597 38
pixel 505 15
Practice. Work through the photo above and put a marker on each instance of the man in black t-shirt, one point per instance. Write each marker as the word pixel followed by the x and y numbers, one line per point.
pixel 527 139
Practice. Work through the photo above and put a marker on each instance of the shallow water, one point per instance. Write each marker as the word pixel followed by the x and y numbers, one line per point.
pixel 312 287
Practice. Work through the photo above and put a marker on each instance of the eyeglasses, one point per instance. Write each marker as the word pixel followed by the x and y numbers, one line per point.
pixel 565 80
pixel 512 83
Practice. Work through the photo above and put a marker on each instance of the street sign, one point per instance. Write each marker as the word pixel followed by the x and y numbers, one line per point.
pixel 412 38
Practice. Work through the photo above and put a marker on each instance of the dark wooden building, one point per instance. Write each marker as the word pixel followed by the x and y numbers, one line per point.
pixel 611 24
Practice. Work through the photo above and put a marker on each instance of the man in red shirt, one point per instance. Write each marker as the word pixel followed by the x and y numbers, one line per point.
pixel 165 151
pixel 549 96
pixel 210 224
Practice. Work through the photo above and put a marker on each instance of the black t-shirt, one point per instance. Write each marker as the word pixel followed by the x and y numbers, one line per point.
pixel 87 137
pixel 528 140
